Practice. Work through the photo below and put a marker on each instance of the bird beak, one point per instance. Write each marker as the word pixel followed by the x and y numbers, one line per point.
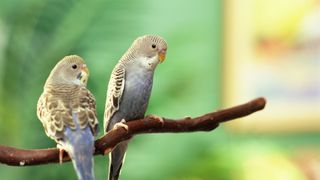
pixel 84 73
pixel 162 55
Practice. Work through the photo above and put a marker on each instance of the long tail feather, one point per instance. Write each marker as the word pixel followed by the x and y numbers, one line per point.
pixel 79 144
pixel 116 159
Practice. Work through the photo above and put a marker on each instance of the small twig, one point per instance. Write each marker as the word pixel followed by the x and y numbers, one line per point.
pixel 208 122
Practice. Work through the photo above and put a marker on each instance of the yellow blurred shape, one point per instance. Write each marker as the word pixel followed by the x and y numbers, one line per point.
pixel 274 18
pixel 270 165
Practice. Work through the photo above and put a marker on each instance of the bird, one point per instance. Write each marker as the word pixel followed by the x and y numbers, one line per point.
pixel 129 89
pixel 67 111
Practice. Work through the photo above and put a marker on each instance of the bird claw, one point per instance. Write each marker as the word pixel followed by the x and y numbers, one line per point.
pixel 158 118
pixel 121 124
pixel 107 151
pixel 61 151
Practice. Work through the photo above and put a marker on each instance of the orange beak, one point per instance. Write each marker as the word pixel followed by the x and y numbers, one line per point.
pixel 162 55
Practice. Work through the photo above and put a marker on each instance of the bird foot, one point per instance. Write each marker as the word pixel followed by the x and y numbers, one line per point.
pixel 107 151
pixel 121 124
pixel 61 151
pixel 158 118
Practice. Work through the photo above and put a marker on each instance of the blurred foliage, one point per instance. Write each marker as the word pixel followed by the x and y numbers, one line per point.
pixel 36 34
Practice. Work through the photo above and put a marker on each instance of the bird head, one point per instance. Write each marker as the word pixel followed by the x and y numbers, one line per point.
pixel 70 70
pixel 149 50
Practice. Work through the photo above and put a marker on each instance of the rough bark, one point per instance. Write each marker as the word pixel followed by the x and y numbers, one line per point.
pixel 208 122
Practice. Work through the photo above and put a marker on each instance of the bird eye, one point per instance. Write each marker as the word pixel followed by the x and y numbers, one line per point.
pixel 153 46
pixel 74 66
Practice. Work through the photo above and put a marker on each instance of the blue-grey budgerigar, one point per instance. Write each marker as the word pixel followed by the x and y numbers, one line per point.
pixel 67 110
pixel 129 90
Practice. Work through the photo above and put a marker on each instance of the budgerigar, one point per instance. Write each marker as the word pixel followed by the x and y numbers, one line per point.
pixel 129 90
pixel 67 110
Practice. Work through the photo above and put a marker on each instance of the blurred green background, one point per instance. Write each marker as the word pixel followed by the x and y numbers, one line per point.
pixel 36 34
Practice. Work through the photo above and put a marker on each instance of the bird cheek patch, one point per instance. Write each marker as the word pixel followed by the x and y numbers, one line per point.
pixel 79 76
pixel 83 77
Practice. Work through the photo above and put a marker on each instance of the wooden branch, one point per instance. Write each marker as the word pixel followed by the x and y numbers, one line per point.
pixel 21 157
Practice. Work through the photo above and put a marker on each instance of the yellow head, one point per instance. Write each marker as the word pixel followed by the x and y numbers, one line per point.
pixel 70 70
pixel 146 52
pixel 151 46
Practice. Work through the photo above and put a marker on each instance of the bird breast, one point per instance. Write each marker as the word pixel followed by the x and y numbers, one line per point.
pixel 136 95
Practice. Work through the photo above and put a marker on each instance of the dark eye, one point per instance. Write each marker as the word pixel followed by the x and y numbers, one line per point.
pixel 74 66
pixel 153 46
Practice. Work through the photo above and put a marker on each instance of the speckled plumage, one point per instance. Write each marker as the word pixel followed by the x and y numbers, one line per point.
pixel 129 89
pixel 55 107
pixel 67 110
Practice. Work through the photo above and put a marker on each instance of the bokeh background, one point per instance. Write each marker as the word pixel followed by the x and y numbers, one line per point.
pixel 35 34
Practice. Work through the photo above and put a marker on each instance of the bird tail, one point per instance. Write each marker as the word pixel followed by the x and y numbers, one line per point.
pixel 116 159
pixel 79 144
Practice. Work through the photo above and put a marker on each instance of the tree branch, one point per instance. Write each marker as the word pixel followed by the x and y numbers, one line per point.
pixel 22 157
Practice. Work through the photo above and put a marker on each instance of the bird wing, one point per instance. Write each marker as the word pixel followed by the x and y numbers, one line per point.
pixel 87 110
pixel 114 93
pixel 55 113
